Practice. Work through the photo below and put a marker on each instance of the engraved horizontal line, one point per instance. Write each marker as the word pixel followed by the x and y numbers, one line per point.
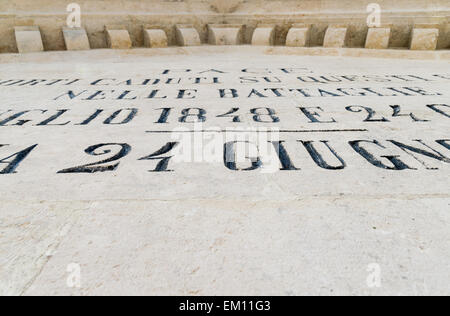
pixel 259 131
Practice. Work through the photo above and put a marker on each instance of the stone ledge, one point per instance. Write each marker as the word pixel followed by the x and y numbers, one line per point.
pixel 361 53
pixel 102 54
pixel 420 37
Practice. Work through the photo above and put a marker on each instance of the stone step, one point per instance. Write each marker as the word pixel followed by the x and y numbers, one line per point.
pixel 419 36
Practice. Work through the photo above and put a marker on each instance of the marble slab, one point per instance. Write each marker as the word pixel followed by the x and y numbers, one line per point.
pixel 223 171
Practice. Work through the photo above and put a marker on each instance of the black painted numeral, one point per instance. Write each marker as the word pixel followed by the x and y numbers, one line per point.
pixel 16 159
pixel 371 114
pixel 197 117
pixel 96 167
pixel 270 115
pixel 236 118
pixel 163 164
pixel 164 115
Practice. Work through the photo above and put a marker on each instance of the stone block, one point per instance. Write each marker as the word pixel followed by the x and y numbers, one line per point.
pixel 335 37
pixel 264 36
pixel 118 37
pixel 299 36
pixel 424 38
pixel 224 34
pixel 155 38
pixel 76 39
pixel 187 35
pixel 378 38
pixel 28 39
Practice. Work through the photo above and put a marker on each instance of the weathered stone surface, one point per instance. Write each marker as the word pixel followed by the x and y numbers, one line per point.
pixel 360 52
pixel 224 34
pixel 356 183
pixel 335 36
pixel 76 39
pixel 424 38
pixel 155 38
pixel 378 38
pixel 298 36
pixel 264 35
pixel 118 37
pixel 50 17
pixel 245 248
pixel 187 35
pixel 228 6
pixel 28 39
